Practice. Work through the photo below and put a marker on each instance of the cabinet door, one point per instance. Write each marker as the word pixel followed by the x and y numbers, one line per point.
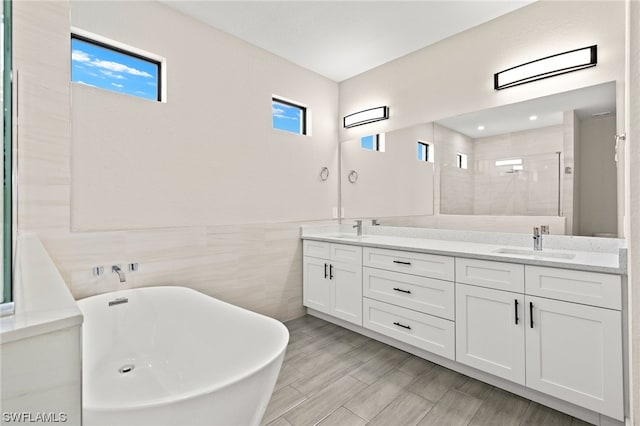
pixel 316 289
pixel 490 331
pixel 346 284
pixel 574 352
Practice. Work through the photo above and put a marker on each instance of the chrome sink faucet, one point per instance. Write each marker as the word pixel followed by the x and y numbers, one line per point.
pixel 120 272
pixel 537 236
pixel 358 227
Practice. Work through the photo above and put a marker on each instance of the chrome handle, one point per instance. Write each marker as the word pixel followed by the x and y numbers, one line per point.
pixel 98 270
pixel 133 267
pixel 544 229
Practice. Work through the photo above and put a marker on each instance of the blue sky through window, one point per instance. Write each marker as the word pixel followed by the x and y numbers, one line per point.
pixel 107 69
pixel 367 142
pixel 287 117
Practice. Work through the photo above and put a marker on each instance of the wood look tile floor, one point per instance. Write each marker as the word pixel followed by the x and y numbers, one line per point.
pixel 333 376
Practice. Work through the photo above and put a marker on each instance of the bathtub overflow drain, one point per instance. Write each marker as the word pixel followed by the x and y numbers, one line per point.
pixel 126 368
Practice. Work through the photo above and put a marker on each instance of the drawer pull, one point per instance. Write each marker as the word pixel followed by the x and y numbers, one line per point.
pixel 330 271
pixel 402 325
pixel 325 271
pixel 531 313
pixel 401 262
pixel 516 311
pixel 401 290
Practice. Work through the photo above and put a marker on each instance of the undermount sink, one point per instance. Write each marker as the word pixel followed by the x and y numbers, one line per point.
pixel 535 253
pixel 348 236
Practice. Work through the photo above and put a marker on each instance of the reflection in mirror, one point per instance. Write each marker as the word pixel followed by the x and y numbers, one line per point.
pixel 544 161
pixel 6 206
pixel 392 181
pixel 550 156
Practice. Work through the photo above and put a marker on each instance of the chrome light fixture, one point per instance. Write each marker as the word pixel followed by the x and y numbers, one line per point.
pixel 367 116
pixel 550 66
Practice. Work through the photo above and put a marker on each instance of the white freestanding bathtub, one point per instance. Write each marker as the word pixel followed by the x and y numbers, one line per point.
pixel 174 356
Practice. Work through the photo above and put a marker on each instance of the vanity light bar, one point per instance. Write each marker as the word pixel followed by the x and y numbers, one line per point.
pixel 550 66
pixel 367 116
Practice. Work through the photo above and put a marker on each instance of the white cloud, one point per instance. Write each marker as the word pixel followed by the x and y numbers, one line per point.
pixel 151 83
pixel 119 86
pixel 86 84
pixel 80 56
pixel 118 67
pixel 277 112
pixel 112 74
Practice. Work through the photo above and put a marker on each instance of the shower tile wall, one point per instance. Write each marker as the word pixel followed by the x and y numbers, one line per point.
pixel 534 191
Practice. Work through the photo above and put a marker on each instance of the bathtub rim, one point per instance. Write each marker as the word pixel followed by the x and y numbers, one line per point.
pixel 200 390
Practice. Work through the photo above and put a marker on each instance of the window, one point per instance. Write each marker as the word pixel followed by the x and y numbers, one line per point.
pixel 425 152
pixel 461 160
pixel 289 116
pixel 373 142
pixel 97 64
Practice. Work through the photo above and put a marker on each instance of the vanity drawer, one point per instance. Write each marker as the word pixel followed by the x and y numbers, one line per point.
pixel 428 265
pixel 589 288
pixel 346 253
pixel 426 332
pixel 486 273
pixel 331 251
pixel 427 295
pixel 316 249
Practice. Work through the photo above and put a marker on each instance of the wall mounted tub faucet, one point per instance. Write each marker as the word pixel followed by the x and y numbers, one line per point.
pixel 358 227
pixel 120 272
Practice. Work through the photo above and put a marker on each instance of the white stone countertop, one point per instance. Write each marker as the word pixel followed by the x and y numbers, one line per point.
pixel 589 254
pixel 43 302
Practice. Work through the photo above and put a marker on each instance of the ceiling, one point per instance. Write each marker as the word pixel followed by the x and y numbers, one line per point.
pixel 589 102
pixel 340 39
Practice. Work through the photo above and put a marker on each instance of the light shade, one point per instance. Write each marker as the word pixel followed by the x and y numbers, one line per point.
pixel 366 116
pixel 550 66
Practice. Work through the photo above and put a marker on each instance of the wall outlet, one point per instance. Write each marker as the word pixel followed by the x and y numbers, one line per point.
pixel 334 213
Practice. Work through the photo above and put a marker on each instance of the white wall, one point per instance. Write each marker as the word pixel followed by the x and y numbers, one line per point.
pixel 598 176
pixel 390 183
pixel 254 265
pixel 455 76
pixel 455 194
pixel 632 197
pixel 209 155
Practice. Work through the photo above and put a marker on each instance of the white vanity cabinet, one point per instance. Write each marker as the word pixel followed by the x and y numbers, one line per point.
pixel 410 297
pixel 556 346
pixel 554 332
pixel 574 351
pixel 332 279
pixel 490 331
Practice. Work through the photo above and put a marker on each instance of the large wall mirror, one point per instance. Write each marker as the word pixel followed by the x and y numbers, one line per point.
pixel 549 159
pixel 6 260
